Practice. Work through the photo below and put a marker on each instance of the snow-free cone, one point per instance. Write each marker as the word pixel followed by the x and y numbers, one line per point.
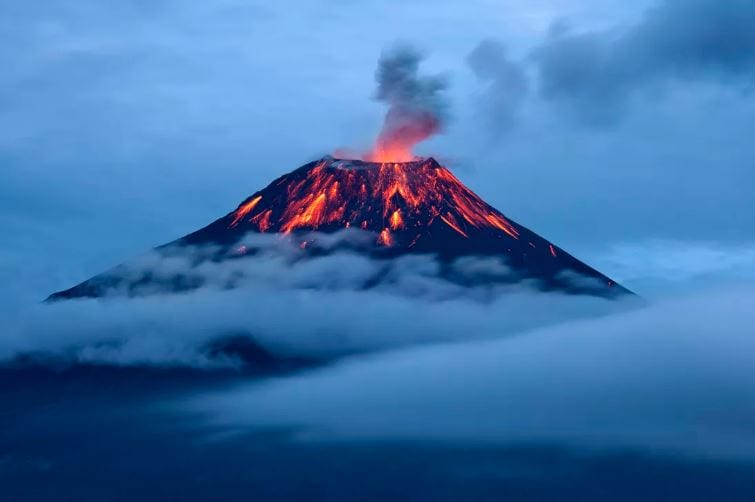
pixel 416 207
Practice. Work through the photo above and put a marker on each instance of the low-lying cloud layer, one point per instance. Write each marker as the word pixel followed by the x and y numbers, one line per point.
pixel 315 308
pixel 674 376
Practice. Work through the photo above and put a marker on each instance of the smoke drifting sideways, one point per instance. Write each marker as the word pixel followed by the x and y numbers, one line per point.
pixel 289 308
pixel 672 377
pixel 598 74
pixel 506 85
pixel 416 105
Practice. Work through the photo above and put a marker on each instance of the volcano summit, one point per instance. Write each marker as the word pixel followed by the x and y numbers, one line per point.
pixel 397 209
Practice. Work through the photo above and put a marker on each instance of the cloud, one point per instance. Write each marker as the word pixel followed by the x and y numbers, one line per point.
pixel 596 74
pixel 674 376
pixel 506 84
pixel 346 259
pixel 291 308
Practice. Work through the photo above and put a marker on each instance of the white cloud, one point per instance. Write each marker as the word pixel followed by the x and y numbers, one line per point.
pixel 313 308
pixel 676 376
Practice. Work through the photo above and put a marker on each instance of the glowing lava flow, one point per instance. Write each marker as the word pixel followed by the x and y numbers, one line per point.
pixel 396 221
pixel 244 210
pixel 399 201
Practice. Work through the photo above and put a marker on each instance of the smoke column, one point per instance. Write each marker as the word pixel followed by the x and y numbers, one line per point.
pixel 416 107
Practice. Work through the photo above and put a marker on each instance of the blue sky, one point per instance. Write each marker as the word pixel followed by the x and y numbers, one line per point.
pixel 124 125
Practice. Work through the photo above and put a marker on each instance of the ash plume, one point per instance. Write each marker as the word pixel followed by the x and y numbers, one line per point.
pixel 416 106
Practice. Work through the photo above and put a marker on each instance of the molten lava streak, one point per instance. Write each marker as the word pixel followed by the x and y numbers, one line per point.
pixel 244 209
pixel 385 238
pixel 400 202
pixel 396 221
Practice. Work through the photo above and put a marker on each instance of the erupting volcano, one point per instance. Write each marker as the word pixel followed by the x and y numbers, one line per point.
pixel 416 207
pixel 402 204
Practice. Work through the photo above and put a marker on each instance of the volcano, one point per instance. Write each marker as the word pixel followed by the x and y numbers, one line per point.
pixel 404 208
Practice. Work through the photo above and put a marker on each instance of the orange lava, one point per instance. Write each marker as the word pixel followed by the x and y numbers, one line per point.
pixel 245 209
pixel 263 220
pixel 390 153
pixel 451 222
pixel 396 221
pixel 307 211
pixel 398 201
pixel 385 238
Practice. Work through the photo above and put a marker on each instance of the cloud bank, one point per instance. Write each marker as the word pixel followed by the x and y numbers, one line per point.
pixel 674 376
pixel 290 308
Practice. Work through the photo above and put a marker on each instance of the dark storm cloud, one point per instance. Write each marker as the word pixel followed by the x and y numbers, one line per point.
pixel 598 73
pixel 505 82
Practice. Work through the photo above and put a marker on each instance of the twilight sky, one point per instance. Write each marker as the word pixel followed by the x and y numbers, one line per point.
pixel 621 132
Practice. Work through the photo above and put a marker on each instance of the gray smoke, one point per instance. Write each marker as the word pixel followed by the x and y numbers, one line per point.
pixel 505 81
pixel 597 74
pixel 416 106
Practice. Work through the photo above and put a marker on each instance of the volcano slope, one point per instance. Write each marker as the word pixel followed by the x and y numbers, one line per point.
pixel 380 210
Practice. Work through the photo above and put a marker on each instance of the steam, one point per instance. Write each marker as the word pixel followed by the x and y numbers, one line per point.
pixel 416 107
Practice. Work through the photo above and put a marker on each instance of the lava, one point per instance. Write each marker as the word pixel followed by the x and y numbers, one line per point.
pixel 449 220
pixel 398 201
pixel 385 238
pixel 244 210
pixel 396 221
